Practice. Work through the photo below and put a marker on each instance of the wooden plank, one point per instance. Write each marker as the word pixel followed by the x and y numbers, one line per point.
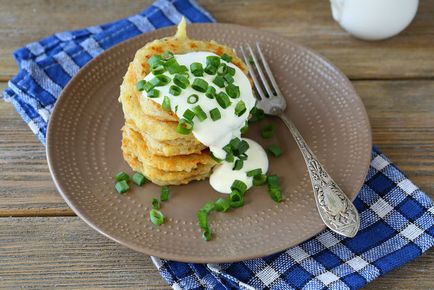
pixel 309 22
pixel 64 252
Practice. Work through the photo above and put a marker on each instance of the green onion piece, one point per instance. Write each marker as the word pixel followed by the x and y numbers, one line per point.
pixel 201 115
pixel 239 186
pixel 226 57
pixel 148 86
pixel 275 195
pixel 250 58
pixel 174 90
pixel 157 217
pixel 223 100
pixel 155 203
pixel 240 108
pixel 188 115
pixel 274 150
pixel 236 199
pixel 254 172
pixel 267 131
pixel 219 81
pixel 202 219
pixel 218 160
pixel 170 62
pixel 181 81
pixel 140 85
pixel 274 188
pixel 259 179
pixel 196 69
pixel 222 69
pixel 159 81
pixel 122 186
pixel 256 115
pixel 234 144
pixel 122 176
pixel 139 179
pixel 184 127
pixel 164 195
pixel 273 181
pixel 244 129
pixel 222 205
pixel 238 164
pixel 243 156
pixel 155 82
pixel 166 103
pixel 229 157
pixel 233 91
pixel 242 147
pixel 192 99
pixel 200 85
pixel 176 108
pixel 155 60
pixel 154 93
pixel 207 235
pixel 231 71
pixel 215 114
pixel 210 92
pixel 177 69
pixel 213 60
pixel 208 207
pixel 167 55
pixel 228 78
pixel 227 148
pixel 159 69
pixel 210 69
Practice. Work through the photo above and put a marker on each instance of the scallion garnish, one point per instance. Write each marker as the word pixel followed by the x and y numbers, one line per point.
pixel 226 57
pixel 233 91
pixel 228 78
pixel 207 235
pixel 223 100
pixel 155 203
pixel 167 55
pixel 256 115
pixel 166 104
pixel 274 188
pixel 259 179
pixel 254 172
pixel 184 127
pixel 210 69
pixel 122 176
pixel 229 157
pixel 238 164
pixel 122 186
pixel 171 62
pixel 236 199
pixel 157 217
pixel 159 80
pixel 139 179
pixel 140 85
pixel 234 143
pixel 188 115
pixel 213 60
pixel 208 207
pixel 218 160
pixel 174 90
pixel 219 81
pixel 274 150
pixel 164 195
pixel 230 71
pixel 244 129
pixel 210 92
pixel 240 108
pixel 267 131
pixel 148 86
pixel 243 156
pixel 196 69
pixel 201 115
pixel 222 205
pixel 177 69
pixel 222 69
pixel 159 69
pixel 181 81
pixel 154 93
pixel 200 85
pixel 238 185
pixel 192 99
pixel 242 147
pixel 155 60
pixel 215 114
pixel 250 59
pixel 202 219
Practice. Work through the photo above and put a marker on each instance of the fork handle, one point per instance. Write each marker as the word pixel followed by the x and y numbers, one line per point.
pixel 335 208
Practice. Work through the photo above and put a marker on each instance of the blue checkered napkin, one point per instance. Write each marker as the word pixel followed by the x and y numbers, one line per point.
pixel 397 218
pixel 397 225
pixel 47 65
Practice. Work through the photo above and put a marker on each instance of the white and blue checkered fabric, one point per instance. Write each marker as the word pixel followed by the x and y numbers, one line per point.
pixel 397 219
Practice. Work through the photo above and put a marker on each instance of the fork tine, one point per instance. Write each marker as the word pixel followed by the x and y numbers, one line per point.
pixel 269 73
pixel 253 74
pixel 259 69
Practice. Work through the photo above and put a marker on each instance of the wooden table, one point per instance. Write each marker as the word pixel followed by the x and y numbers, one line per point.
pixel 42 242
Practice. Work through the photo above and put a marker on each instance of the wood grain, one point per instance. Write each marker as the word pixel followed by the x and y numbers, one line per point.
pixel 309 22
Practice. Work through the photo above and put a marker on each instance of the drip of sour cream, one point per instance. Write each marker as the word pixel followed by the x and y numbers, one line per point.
pixel 217 134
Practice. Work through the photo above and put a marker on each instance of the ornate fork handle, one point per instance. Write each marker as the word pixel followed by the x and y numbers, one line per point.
pixel 334 207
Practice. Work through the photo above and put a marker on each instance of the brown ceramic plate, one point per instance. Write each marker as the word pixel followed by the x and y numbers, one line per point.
pixel 83 149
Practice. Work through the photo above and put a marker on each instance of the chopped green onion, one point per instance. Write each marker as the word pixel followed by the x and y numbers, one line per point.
pixel 208 207
pixel 222 205
pixel 166 103
pixel 174 90
pixel 148 86
pixel 228 78
pixel 213 60
pixel 222 69
pixel 259 179
pixel 275 194
pixel 141 85
pixel 274 188
pixel 200 85
pixel 171 62
pixel 238 164
pixel 155 60
pixel 251 61
pixel 154 93
pixel 229 157
pixel 167 55
pixel 122 186
pixel 226 57
pixel 210 69
pixel 159 69
pixel 181 81
pixel 155 203
pixel 164 195
pixel 239 186
pixel 192 99
pixel 201 115
pixel 139 179
pixel 188 115
pixel 210 92
pixel 202 219
pixel 157 217
pixel 244 129
pixel 223 100
pixel 233 91
pixel 274 150
pixel 177 69
pixel 240 108
pixel 241 148
pixel 207 235
pixel 218 160
pixel 215 114
pixel 243 156
pixel 159 80
pixel 184 127
pixel 256 115
pixel 236 199
pixel 219 81
pixel 234 143
pixel 122 176
pixel 176 108
pixel 196 69
pixel 267 131
pixel 231 71
pixel 254 172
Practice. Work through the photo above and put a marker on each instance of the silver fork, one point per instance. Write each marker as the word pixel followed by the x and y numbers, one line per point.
pixel 336 210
